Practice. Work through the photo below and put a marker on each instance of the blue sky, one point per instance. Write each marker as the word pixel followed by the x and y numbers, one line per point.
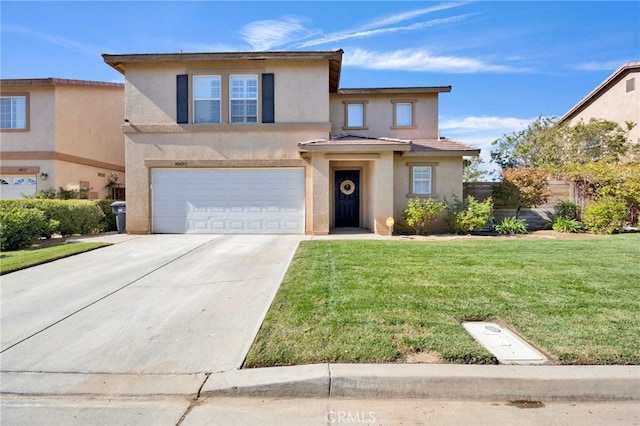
pixel 508 62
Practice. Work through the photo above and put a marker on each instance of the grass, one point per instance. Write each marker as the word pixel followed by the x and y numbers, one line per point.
pixel 381 301
pixel 11 261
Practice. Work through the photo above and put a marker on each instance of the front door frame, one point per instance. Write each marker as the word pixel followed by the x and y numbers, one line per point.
pixel 334 189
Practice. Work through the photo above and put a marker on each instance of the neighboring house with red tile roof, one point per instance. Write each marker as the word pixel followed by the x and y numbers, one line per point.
pixel 616 99
pixel 60 133
pixel 267 142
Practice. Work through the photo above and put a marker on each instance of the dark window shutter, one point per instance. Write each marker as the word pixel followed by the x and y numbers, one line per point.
pixel 268 113
pixel 182 96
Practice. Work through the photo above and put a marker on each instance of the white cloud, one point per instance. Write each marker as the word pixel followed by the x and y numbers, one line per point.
pixel 420 60
pixel 405 16
pixel 366 32
pixel 267 34
pixel 64 42
pixel 480 131
pixel 600 66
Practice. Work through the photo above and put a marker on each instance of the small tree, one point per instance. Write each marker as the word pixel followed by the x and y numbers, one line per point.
pixel 420 213
pixel 471 169
pixel 523 187
pixel 469 214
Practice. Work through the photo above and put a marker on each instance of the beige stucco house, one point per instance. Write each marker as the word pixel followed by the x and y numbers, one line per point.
pixel 616 99
pixel 60 133
pixel 267 142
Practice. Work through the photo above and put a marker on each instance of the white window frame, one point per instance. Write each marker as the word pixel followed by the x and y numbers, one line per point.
pixel 17 115
pixel 414 168
pixel 246 96
pixel 211 98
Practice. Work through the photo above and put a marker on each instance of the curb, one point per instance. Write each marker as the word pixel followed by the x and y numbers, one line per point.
pixel 435 381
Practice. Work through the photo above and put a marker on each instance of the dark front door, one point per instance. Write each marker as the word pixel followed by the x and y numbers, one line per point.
pixel 347 198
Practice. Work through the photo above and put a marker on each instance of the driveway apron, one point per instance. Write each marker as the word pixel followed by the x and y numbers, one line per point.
pixel 183 304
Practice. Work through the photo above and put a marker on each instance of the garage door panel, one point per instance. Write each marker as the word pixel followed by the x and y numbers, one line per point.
pixel 228 200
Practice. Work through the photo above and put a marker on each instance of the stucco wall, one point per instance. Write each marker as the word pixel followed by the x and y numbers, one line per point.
pixel 300 89
pixel 379 115
pixel 616 104
pixel 447 181
pixel 40 136
pixel 89 122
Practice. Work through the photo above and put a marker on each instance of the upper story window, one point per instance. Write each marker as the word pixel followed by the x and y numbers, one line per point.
pixel 403 114
pixel 206 99
pixel 13 112
pixel 243 98
pixel 355 116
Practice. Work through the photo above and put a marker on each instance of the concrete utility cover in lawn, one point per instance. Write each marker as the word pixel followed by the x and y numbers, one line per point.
pixel 507 347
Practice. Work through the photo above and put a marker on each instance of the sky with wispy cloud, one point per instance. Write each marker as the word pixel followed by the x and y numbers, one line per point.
pixel 508 62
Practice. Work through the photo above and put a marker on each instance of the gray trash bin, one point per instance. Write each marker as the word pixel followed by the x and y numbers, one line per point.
pixel 119 209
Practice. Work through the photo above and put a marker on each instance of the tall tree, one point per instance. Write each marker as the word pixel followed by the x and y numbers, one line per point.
pixel 471 169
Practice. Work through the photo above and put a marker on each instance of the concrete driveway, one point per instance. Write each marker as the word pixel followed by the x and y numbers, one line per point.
pixel 157 304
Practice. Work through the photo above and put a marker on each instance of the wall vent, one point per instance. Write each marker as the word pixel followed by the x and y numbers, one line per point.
pixel 631 85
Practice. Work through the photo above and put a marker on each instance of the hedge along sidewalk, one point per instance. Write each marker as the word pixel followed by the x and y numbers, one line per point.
pixel 384 301
pixel 11 261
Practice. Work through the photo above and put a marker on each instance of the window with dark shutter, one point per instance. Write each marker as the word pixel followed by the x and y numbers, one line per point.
pixel 182 98
pixel 268 102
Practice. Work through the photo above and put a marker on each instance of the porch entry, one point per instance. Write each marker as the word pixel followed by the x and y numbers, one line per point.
pixel 347 198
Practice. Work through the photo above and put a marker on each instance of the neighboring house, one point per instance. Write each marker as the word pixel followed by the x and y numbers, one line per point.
pixel 266 142
pixel 60 133
pixel 615 99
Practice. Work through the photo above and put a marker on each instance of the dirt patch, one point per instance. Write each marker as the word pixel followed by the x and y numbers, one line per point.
pixel 427 357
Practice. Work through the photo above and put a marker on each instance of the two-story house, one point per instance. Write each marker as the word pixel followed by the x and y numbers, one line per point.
pixel 59 133
pixel 616 99
pixel 267 142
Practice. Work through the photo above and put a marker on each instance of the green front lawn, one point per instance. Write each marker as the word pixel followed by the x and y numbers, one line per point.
pixel 381 301
pixel 11 261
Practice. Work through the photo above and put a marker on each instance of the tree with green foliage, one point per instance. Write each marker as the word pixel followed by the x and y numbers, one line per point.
pixel 471 170
pixel 543 144
pixel 523 187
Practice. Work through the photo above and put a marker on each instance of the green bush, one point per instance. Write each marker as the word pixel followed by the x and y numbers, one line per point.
pixel 512 226
pixel 469 214
pixel 566 225
pixel 567 209
pixel 72 216
pixel 108 222
pixel 20 226
pixel 420 213
pixel 606 215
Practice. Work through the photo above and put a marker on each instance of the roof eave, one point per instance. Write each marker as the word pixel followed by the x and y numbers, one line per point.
pixel 442 153
pixel 354 148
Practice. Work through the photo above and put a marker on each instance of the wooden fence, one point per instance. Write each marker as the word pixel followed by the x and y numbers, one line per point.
pixel 536 218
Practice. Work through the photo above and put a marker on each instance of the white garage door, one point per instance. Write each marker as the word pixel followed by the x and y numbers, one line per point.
pixel 218 201
pixel 12 187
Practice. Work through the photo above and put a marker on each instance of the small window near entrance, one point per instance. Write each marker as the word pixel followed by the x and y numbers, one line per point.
pixel 355 116
pixel 631 85
pixel 421 176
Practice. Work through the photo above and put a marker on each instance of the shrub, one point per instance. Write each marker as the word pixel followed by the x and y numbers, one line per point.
pixel 512 226
pixel 469 214
pixel 72 216
pixel 566 209
pixel 567 225
pixel 108 222
pixel 420 213
pixel 20 226
pixel 605 216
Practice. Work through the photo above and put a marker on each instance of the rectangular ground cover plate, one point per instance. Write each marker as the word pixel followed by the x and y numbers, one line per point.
pixel 506 346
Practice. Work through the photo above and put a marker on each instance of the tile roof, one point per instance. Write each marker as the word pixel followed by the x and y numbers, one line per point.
pixel 417 146
pixel 55 82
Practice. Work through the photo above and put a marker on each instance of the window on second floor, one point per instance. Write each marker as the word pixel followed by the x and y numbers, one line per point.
pixel 243 98
pixel 13 112
pixel 403 113
pixel 206 99
pixel 355 115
